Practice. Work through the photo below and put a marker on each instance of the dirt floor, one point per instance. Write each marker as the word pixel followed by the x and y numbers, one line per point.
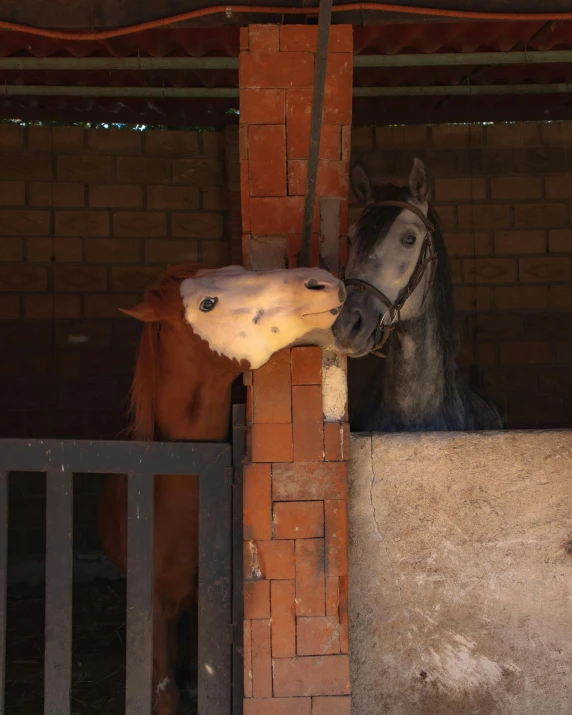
pixel 98 686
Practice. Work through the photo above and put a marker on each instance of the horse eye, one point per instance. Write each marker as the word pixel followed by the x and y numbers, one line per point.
pixel 207 304
pixel 409 240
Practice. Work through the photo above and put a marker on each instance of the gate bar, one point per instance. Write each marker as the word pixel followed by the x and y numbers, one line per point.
pixel 59 572
pixel 3 580
pixel 215 573
pixel 238 454
pixel 139 674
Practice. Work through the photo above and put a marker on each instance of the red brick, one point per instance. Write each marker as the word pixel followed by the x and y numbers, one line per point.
pixel 47 307
pixel 80 278
pixel 560 240
pixel 216 198
pixel 116 196
pixel 257 599
pixel 451 136
pixel 344 625
pixel 261 659
pixel 298 117
pixel 197 225
pixel 12 249
pixel 198 172
pixel 22 278
pixel 107 305
pixel 178 143
pixel 472 297
pixel 310 578
pixel 336 537
pixel 516 135
pixel 520 242
pixel 307 423
pixel 516 188
pixel 11 136
pixel 338 90
pixel 564 352
pixel 62 250
pixel 467 243
pixel 318 636
pixel 303 38
pixel 12 193
pixel 544 270
pixel 10 307
pixel 271 390
pixel 244 201
pixel 112 250
pixel 460 189
pixel 257 502
pixel 142 170
pixel 22 166
pixel 215 253
pixel 272 442
pixel 114 141
pixel 271 70
pixel 332 179
pixel 276 216
pixel 543 215
pixel 171 251
pixel 247 660
pixel 333 441
pixel 521 297
pixel 57 194
pixel 267 160
pixel 489 270
pixel 313 675
pixel 483 216
pixel 275 558
pixel 133 278
pixel 139 223
pixel 277 706
pixel 525 353
pixel 212 144
pixel 332 596
pixel 283 608
pixel 84 168
pixel 89 222
pixel 331 706
pixel 346 148
pixel 244 37
pixel 306 366
pixel 556 133
pixel 20 222
pixel 65 138
pixel 263 38
pixel 299 520
pixel 309 482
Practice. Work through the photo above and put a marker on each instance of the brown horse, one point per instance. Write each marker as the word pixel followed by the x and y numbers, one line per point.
pixel 182 391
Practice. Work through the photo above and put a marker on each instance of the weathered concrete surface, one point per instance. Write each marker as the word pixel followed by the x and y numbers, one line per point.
pixel 460 574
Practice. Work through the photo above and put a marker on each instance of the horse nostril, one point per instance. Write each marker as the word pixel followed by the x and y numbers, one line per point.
pixel 313 284
pixel 357 324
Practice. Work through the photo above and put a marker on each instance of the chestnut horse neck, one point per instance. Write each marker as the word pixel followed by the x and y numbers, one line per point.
pixel 181 389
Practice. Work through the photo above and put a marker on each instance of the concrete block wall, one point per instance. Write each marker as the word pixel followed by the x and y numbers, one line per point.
pixel 295 479
pixel 504 197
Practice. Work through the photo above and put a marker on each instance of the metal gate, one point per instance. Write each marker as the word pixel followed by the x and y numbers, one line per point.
pixel 220 517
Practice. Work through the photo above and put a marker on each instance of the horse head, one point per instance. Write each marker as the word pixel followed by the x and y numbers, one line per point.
pixel 245 315
pixel 391 261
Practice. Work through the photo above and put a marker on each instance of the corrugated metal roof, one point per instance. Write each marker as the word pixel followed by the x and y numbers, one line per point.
pixel 388 39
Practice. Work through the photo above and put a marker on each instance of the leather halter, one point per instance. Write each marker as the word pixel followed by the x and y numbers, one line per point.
pixel 427 259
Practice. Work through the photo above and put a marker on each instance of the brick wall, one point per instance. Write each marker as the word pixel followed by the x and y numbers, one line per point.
pixel 87 219
pixel 295 480
pixel 504 195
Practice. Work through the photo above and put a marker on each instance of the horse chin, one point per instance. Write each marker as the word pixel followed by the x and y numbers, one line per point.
pixel 354 350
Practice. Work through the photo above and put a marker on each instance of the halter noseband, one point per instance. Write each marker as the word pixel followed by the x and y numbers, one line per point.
pixel 427 258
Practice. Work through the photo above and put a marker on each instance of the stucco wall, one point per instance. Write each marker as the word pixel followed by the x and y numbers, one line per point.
pixel 461 574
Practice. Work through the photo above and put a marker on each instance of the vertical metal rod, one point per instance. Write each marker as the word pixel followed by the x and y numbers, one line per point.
pixel 215 572
pixel 324 20
pixel 238 452
pixel 3 580
pixel 140 511
pixel 59 573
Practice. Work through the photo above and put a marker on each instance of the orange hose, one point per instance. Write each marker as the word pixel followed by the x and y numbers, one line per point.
pixel 215 10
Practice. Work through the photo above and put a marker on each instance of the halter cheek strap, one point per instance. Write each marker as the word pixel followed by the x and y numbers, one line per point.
pixel 427 259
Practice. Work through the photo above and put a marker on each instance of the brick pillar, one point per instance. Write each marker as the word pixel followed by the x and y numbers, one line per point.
pixel 295 482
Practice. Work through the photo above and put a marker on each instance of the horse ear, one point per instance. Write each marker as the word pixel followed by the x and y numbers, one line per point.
pixel 419 182
pixel 144 312
pixel 361 184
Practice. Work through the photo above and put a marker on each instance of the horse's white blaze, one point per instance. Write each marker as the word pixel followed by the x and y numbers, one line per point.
pixel 257 314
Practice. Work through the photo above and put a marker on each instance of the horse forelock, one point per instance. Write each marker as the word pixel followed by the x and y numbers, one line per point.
pixel 165 296
pixel 375 222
